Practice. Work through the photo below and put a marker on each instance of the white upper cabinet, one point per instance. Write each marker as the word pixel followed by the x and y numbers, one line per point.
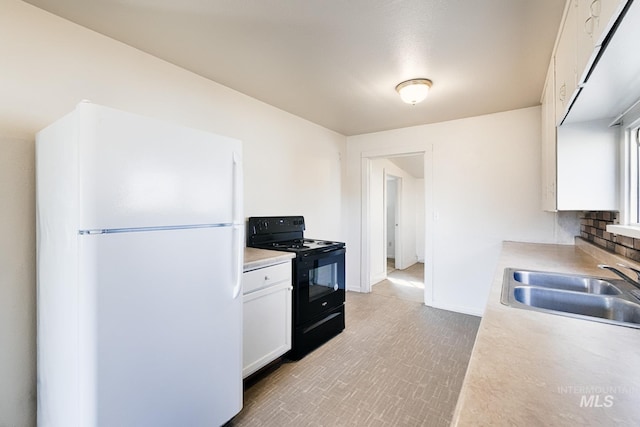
pixel 566 79
pixel 549 143
pixel 595 19
pixel 587 37
pixel 598 17
pixel 579 157
pixel 584 29
pixel 612 85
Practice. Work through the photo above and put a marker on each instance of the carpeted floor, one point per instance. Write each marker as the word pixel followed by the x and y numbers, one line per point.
pixel 397 362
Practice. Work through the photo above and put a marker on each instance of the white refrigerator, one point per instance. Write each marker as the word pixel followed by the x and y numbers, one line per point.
pixel 139 254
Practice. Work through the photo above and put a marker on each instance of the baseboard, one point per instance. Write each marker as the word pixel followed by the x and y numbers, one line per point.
pixel 460 309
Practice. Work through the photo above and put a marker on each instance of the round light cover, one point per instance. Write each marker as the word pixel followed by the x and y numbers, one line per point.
pixel 414 90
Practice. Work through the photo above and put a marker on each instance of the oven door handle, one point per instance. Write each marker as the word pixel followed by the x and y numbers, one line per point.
pixel 336 251
pixel 326 253
pixel 333 250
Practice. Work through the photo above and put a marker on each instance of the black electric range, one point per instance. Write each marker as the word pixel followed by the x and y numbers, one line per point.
pixel 318 274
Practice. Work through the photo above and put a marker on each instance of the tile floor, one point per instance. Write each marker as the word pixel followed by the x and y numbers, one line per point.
pixel 397 362
pixel 405 284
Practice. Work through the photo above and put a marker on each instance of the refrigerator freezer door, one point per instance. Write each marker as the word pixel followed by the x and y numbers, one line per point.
pixel 140 172
pixel 160 328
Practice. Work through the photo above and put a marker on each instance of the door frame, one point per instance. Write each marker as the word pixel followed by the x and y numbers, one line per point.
pixel 365 219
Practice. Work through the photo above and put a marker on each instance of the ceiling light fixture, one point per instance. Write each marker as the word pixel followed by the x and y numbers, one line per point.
pixel 414 90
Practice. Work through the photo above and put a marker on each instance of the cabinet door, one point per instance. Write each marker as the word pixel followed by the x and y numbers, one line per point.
pixel 595 19
pixel 267 326
pixel 266 315
pixel 587 158
pixel 604 13
pixel 566 62
pixel 549 143
pixel 586 42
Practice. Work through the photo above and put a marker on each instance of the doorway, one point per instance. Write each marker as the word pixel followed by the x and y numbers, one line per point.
pixel 394 226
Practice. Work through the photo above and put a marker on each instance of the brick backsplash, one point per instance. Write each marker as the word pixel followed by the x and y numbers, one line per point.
pixel 593 228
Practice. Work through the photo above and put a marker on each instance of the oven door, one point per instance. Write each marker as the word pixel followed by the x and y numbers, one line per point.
pixel 320 284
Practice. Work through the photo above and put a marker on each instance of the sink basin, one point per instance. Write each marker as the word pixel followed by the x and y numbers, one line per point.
pixel 585 297
pixel 603 307
pixel 568 282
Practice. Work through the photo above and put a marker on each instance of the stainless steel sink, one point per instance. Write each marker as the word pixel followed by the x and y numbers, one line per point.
pixel 568 282
pixel 585 297
pixel 611 308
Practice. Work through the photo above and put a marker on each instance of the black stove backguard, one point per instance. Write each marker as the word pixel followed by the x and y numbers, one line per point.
pixel 272 229
pixel 318 279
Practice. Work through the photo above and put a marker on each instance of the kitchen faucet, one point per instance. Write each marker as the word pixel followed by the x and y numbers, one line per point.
pixel 626 278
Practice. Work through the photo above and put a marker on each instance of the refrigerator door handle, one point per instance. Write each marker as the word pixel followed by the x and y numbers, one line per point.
pixel 238 224
pixel 238 240
pixel 237 188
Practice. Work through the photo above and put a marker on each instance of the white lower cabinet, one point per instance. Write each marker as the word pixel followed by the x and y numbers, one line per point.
pixel 267 316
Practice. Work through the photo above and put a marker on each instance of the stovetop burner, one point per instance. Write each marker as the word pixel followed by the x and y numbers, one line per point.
pixel 301 245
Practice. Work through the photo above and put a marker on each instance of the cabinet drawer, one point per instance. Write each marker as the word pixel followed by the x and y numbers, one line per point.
pixel 263 277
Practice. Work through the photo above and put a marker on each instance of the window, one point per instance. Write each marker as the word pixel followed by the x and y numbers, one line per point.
pixel 630 200
pixel 633 143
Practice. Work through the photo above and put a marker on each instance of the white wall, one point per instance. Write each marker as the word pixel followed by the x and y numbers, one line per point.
pixel 482 182
pixel 17 283
pixel 47 65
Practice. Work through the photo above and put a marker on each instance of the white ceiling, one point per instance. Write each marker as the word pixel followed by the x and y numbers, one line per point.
pixel 336 62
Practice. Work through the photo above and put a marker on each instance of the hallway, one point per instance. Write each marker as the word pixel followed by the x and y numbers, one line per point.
pixel 407 284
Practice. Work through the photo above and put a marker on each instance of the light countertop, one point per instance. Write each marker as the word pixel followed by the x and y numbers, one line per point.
pixel 257 258
pixel 529 368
